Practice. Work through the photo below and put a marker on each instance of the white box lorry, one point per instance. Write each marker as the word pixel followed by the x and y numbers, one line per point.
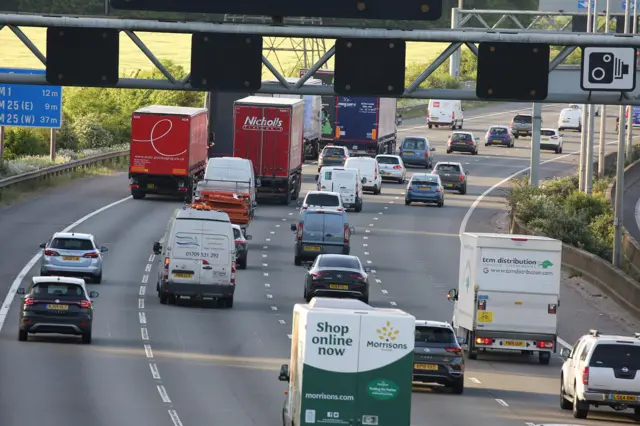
pixel 350 364
pixel 508 294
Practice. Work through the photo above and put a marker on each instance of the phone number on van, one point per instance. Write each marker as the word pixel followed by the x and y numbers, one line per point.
pixel 203 255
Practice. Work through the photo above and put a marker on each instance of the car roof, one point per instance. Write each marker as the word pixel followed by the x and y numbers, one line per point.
pixel 334 146
pixel 447 163
pixel 429 323
pixel 64 280
pixel 523 115
pixel 389 155
pixel 349 169
pixel 337 194
pixel 501 126
pixel 351 159
pixel 462 132
pixel 424 175
pixel 322 211
pixel 337 256
pixel 550 129
pixel 75 235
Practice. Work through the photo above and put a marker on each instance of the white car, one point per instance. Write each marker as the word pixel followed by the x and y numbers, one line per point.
pixel 551 139
pixel 601 370
pixel 578 106
pixel 324 200
pixel 392 167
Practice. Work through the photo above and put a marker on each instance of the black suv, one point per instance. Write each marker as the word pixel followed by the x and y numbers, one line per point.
pixel 56 305
pixel 437 356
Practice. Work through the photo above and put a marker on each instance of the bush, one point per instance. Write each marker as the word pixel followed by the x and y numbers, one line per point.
pixel 20 141
pixel 558 210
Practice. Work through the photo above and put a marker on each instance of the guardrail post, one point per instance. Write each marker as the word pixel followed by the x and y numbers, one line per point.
pixel 52 144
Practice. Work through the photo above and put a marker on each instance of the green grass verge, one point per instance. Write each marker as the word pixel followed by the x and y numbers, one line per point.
pixel 14 193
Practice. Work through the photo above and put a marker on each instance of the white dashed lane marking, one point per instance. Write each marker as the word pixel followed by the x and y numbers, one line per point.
pixel 143 290
pixel 145 279
pixel 502 402
pixel 474 380
pixel 144 333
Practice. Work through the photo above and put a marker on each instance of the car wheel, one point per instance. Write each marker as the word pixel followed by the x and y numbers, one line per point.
pixel 138 195
pixel 377 190
pixel 544 358
pixel 458 387
pixel 636 414
pixel 580 408
pixel 486 144
pixel 441 204
pixel 407 202
pixel 228 302
pixel 475 152
pixel 463 190
pixel 97 279
pixel 23 336
pixel 358 208
pixel 565 404
pixel 448 151
pixel 297 261
pixel 431 126
pixel 86 338
pixel 516 136
pixel 243 263
pixel 163 298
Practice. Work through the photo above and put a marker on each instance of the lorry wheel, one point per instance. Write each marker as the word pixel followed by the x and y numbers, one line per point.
pixel 544 358
pixel 297 261
pixel 138 195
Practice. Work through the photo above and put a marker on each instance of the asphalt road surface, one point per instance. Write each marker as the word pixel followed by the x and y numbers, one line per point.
pixel 158 365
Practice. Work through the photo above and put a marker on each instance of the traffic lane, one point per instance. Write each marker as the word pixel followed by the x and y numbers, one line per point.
pixel 94 383
pixel 23 225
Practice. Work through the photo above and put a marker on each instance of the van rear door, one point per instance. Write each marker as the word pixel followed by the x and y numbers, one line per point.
pixel 185 262
pixel 345 182
pixel 216 259
pixel 333 239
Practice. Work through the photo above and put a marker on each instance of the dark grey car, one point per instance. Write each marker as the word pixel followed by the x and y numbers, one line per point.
pixel 437 356
pixel 521 125
pixel 453 176
pixel 321 232
pixel 332 156
pixel 337 275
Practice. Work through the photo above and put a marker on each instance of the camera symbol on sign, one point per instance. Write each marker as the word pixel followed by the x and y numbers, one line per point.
pixel 604 68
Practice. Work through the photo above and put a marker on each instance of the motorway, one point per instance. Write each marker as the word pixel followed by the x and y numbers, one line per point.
pixel 162 365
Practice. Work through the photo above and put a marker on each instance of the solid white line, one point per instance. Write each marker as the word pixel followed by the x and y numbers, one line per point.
pixel 147 351
pixel 147 268
pixel 141 303
pixel 502 402
pixel 144 333
pixel 4 308
pixel 143 290
pixel 474 380
pixel 145 279
pixel 142 317
pixel 163 394
pixel 564 343
pixel 174 418
pixel 154 371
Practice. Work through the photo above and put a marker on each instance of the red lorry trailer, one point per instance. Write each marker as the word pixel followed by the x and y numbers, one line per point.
pixel 269 132
pixel 168 151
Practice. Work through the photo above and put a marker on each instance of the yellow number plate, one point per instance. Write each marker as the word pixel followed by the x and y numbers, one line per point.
pixel 182 275
pixel 338 287
pixel 435 119
pixel 424 188
pixel 58 307
pixel 151 186
pixel 70 258
pixel 631 398
pixel 409 152
pixel 432 367
pixel 333 157
pixel 484 316
pixel 513 343
pixel 312 248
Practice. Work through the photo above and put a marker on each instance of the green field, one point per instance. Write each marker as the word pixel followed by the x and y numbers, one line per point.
pixel 177 48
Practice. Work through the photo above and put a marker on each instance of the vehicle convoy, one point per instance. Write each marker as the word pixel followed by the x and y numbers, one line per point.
pixel 168 151
pixel 508 294
pixel 345 181
pixel 72 254
pixel 321 232
pixel 452 176
pixel 198 257
pixel 350 364
pixel 56 305
pixel 445 113
pixel 336 275
pixel 269 132
pixel 601 370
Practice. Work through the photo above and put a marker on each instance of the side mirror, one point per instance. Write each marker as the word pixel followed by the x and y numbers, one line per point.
pixel 157 248
pixel 248 237
pixel 258 183
pixel 363 180
pixel 477 139
pixel 284 373
pixel 565 353
pixel 352 230
pixel 317 178
pixel 433 149
pixel 467 173
pixel 300 203
pixel 254 204
pixel 452 295
pixel 103 249
pixel 21 290
pixel 461 340
pixel 307 266
pixel 43 245
pixel 294 227
pixel 94 294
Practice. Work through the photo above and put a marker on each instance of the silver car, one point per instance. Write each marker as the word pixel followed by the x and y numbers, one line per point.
pixel 72 254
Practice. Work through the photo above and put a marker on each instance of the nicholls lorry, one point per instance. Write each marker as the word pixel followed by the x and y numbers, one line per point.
pixel 508 294
pixel 168 152
pixel 350 364
pixel 366 126
pixel 312 116
pixel 269 131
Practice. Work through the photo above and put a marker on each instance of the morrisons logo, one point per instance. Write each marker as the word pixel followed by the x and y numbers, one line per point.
pixel 387 336
pixel 262 123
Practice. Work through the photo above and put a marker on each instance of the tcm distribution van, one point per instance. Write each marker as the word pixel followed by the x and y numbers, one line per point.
pixel 508 294
pixel 350 364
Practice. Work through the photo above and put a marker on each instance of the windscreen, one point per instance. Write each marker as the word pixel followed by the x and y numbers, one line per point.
pixel 418 144
pixel 57 290
pixel 616 356
pixel 425 180
pixel 498 131
pixel 388 160
pixel 461 137
pixel 426 335
pixel 226 173
pixel 71 244
pixel 212 248
pixel 339 262
pixel 448 168
pixel 328 200
pixel 522 119
pixel 333 151
pixel 547 133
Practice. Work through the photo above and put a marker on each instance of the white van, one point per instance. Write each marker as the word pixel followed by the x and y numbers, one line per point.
pixel 198 257
pixel 445 113
pixel 570 119
pixel 369 172
pixel 229 174
pixel 347 182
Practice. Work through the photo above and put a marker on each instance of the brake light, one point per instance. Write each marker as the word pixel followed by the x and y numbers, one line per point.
pixel 544 345
pixel 488 134
pixel 410 188
pixel 398 167
pixel 484 341
pixel 300 228
pixel 346 233
pixel 461 177
pixel 344 158
pixel 585 376
pixel 240 242
pixel 91 255
pixel 519 239
pixel 554 137
pixel 85 304
pixel 316 275
pixel 400 153
pixel 426 153
pixel 357 276
pixel 166 263
pixel 437 189
pixel 51 253
pixel 233 273
pixel 204 262
pixel 453 350
pixel 29 301
pixel 134 186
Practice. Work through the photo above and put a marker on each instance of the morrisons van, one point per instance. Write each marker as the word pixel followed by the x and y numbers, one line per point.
pixel 351 364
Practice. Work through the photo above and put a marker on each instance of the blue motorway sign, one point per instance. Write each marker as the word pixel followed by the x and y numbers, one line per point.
pixel 584 4
pixel 632 4
pixel 25 105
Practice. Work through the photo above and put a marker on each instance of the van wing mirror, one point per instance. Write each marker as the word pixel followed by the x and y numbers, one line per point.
pixel 21 290
pixel 352 230
pixel 284 373
pixel 248 237
pixel 363 180
pixel 317 178
pixel 157 248
pixel 294 227
pixel 452 295
pixel 433 148
pixel 565 353
pixel 43 245
pixel 94 294
pixel 258 183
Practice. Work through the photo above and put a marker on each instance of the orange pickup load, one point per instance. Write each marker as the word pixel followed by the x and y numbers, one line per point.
pixel 236 205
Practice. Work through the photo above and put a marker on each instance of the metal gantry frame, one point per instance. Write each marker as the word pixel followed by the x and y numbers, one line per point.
pixel 456 38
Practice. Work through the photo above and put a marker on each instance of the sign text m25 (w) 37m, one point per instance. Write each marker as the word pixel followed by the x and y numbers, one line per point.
pixel 23 105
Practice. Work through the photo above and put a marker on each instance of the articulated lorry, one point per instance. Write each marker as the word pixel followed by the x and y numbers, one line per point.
pixel 351 364
pixel 508 294
pixel 366 126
